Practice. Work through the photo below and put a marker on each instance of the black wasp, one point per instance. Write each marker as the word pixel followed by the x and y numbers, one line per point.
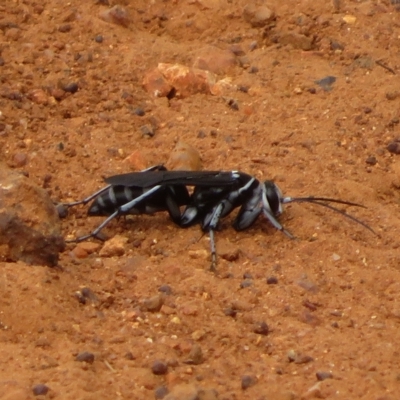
pixel 215 195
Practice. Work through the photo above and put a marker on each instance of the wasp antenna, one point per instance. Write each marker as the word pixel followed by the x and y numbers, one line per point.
pixel 315 200
pixel 312 199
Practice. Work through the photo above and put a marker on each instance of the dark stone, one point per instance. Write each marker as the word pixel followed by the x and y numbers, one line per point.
pixel 322 375
pixel 159 367
pixel 272 280
pixel 165 289
pixel 161 392
pixel 261 329
pixel 65 28
pixel 40 389
pixel 394 147
pixel 326 83
pixel 99 39
pixel 248 381
pixel 85 357
pixel 139 111
pixel 230 312
pixel 71 87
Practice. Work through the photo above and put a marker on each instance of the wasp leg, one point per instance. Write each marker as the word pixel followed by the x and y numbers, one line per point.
pixel 158 167
pixel 122 210
pixel 216 215
pixel 87 199
pixel 276 224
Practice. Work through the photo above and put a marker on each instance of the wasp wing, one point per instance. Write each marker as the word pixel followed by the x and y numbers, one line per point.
pixel 166 178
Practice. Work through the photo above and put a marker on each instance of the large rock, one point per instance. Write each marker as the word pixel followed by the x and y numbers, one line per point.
pixel 29 224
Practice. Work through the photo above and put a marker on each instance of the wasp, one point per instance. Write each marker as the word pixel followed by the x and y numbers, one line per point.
pixel 215 195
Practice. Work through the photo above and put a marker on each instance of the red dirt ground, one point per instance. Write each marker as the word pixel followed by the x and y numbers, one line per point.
pixel 335 307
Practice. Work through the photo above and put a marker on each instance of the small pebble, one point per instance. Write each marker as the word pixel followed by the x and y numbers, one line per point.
pixel 19 160
pixel 230 312
pixel 62 210
pixel 85 357
pixel 233 104
pixel 89 294
pixel 247 275
pixel 246 283
pixel 322 375
pixel 261 329
pixel 71 87
pixel 248 381
pixel 302 359
pixel 201 134
pixel 253 70
pixel 154 304
pixel 117 15
pixel 195 356
pixel 64 28
pixel 147 130
pixel 159 367
pixel 272 280
pixel 129 356
pixel 326 83
pixel 161 392
pixel 394 147
pixel 1 61
pixel 165 289
pixel 99 39
pixel 139 111
pixel 371 160
pixel 40 389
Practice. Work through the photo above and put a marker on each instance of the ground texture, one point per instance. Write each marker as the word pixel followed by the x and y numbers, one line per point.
pixel 316 317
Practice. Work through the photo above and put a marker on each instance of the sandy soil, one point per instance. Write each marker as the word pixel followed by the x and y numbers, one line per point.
pixel 333 311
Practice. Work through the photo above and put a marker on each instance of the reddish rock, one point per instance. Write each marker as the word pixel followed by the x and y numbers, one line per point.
pixel 215 60
pixel 115 247
pixel 38 96
pixel 116 15
pixel 258 16
pixel 29 224
pixel 296 40
pixel 184 157
pixel 187 81
pixel 155 83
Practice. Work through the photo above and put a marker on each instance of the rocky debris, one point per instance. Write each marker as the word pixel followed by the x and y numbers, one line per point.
pixel 29 224
pixel 184 157
pixel 116 15
pixel 114 247
pixel 258 16
pixel 177 80
pixel 85 356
